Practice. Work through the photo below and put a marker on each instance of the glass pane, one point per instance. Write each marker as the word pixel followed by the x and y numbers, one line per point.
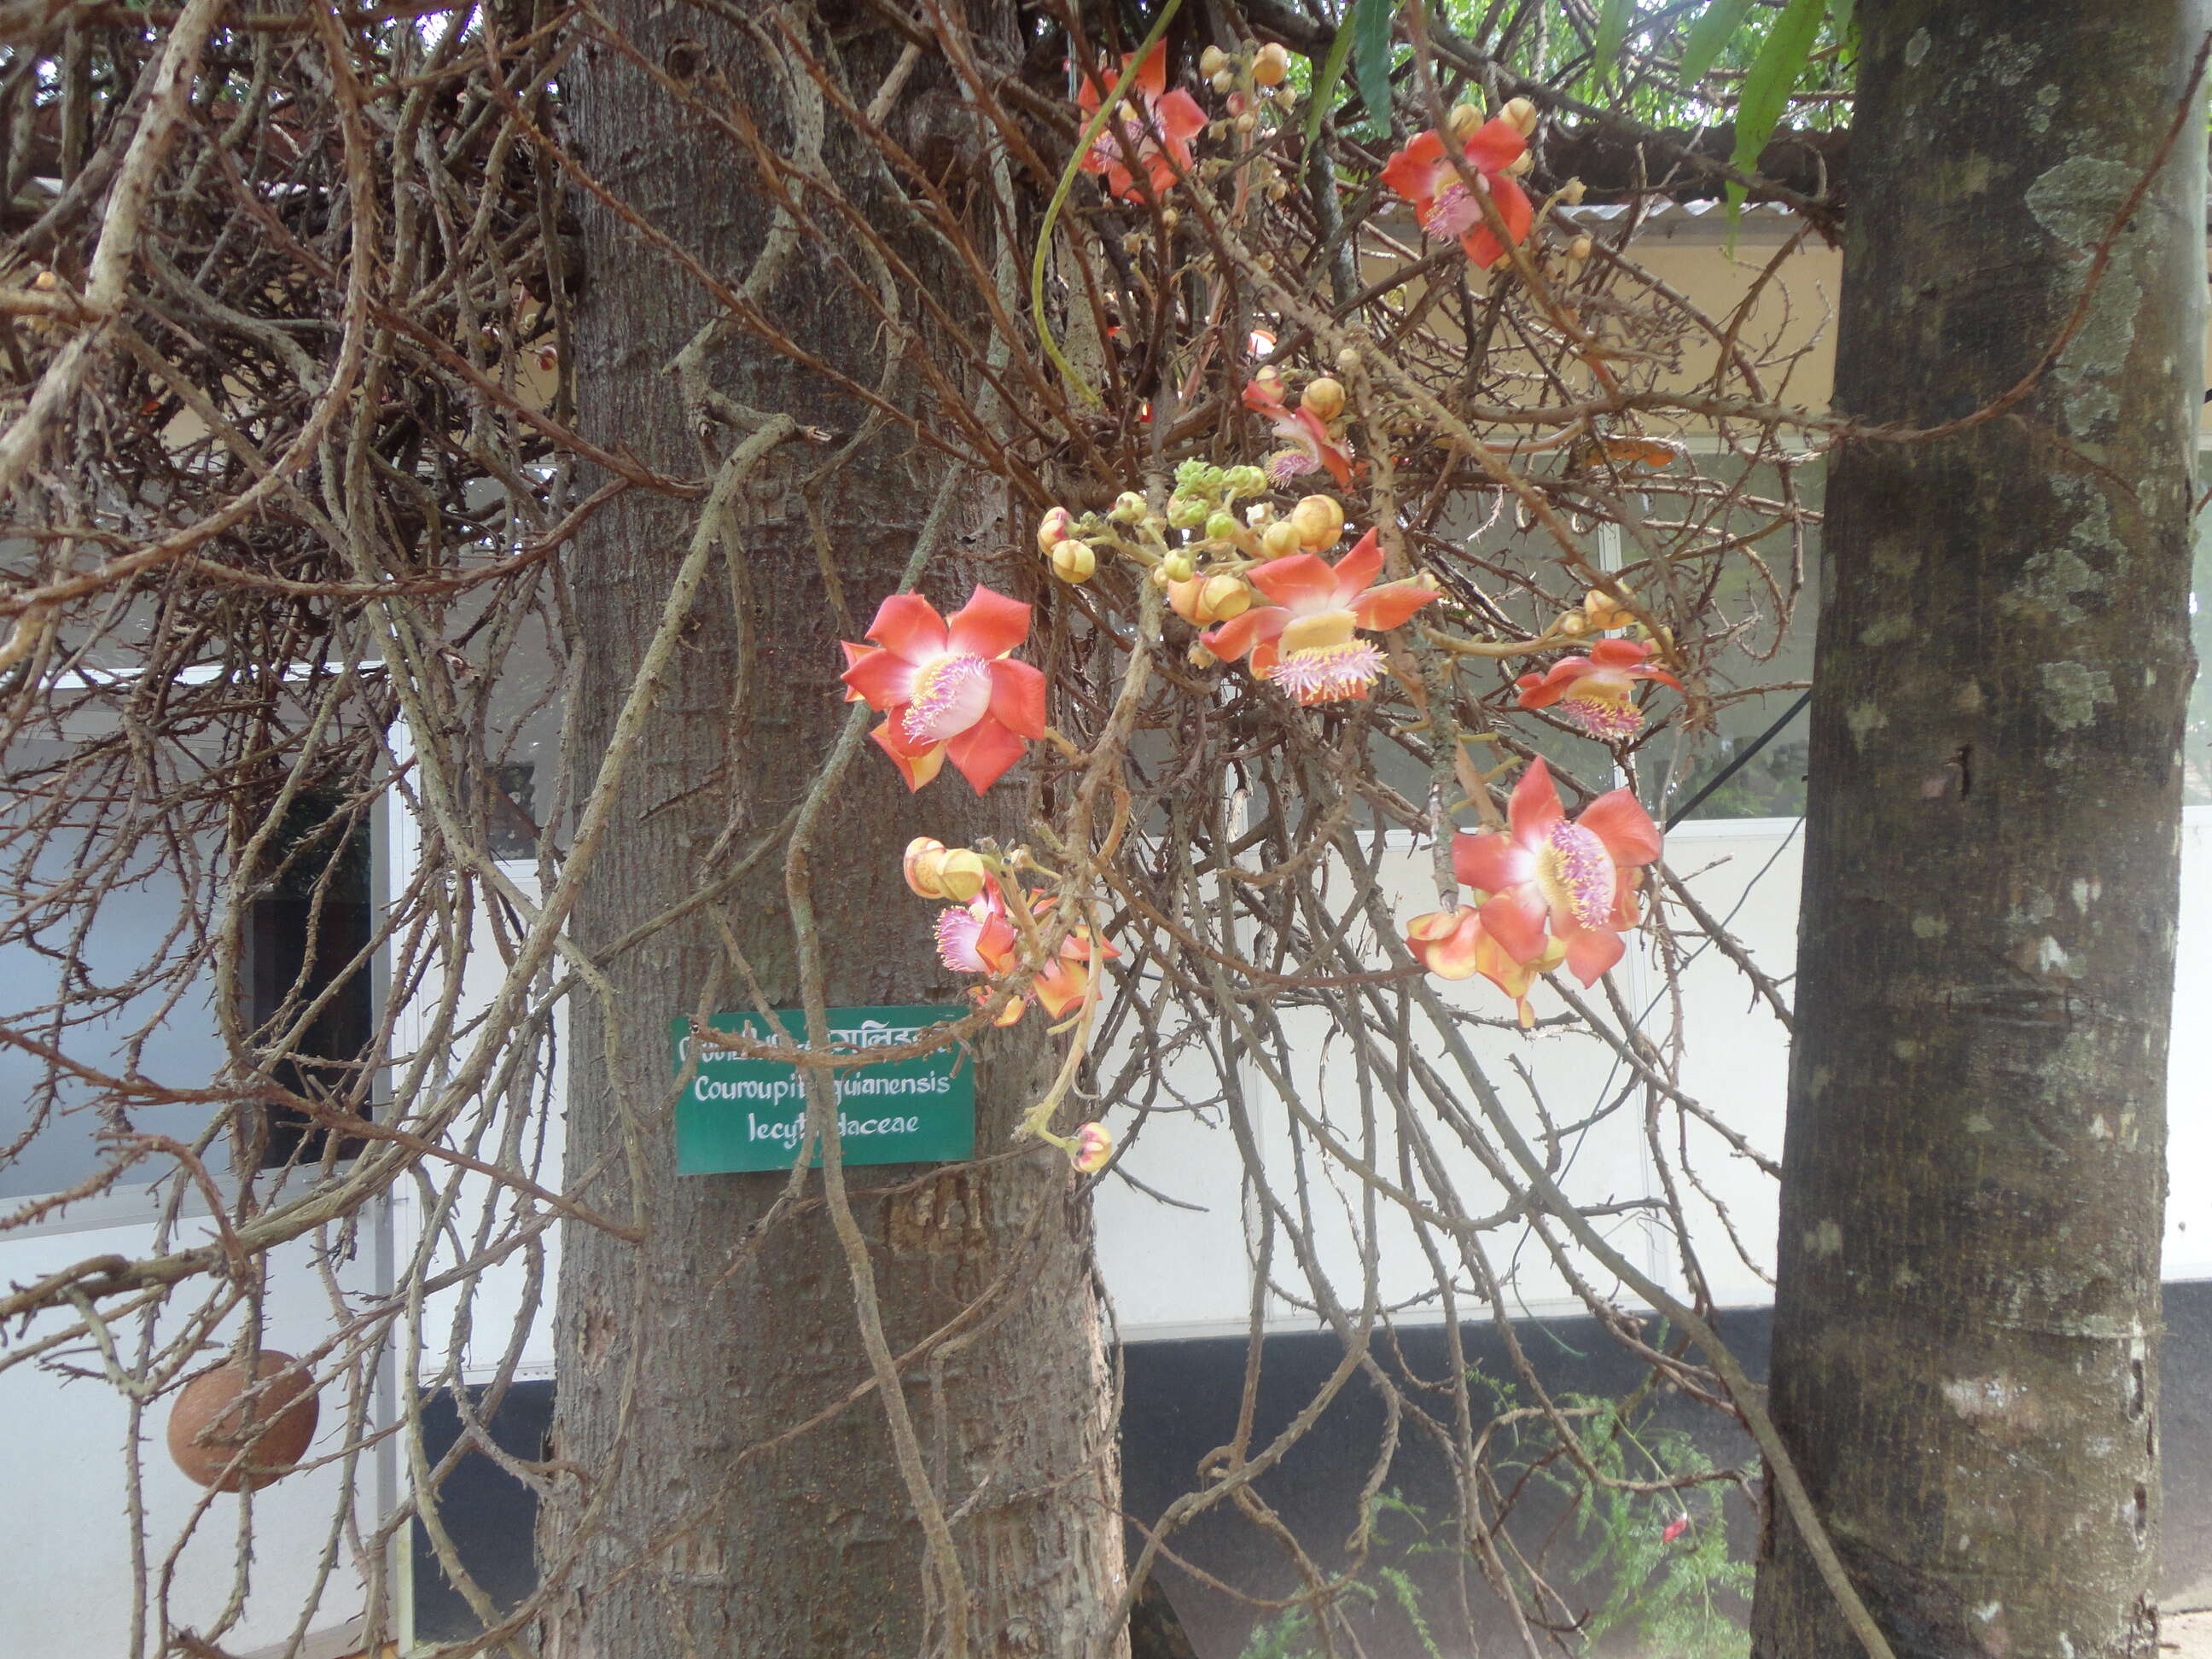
pixel 1750 593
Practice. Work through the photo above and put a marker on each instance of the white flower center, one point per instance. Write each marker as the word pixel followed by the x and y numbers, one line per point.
pixel 950 694
pixel 1328 673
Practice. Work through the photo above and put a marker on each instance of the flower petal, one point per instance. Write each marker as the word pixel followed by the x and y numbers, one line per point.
pixel 916 768
pixel 878 678
pixel 1240 634
pixel 1535 807
pixel 1389 605
pixel 1298 580
pixel 908 626
pixel 1619 821
pixel 989 625
pixel 1591 952
pixel 1357 570
pixel 1515 918
pixel 1495 144
pixel 1411 171
pixel 1151 77
pixel 1017 697
pixel 1182 119
pixel 984 752
pixel 1491 862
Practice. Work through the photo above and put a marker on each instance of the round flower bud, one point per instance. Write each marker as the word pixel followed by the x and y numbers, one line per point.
pixel 1348 359
pixel 924 866
pixel 1522 113
pixel 1222 80
pixel 1572 191
pixel 1091 1148
pixel 1280 538
pixel 1170 218
pixel 1199 657
pixel 1461 121
pixel 1186 511
pixel 1179 566
pixel 1211 62
pixel 1319 521
pixel 1073 561
pixel 1572 624
pixel 1580 248
pixel 1245 480
pixel 1224 597
pixel 962 874
pixel 1248 122
pixel 1221 526
pixel 1056 527
pixel 1324 399
pixel 1128 507
pixel 1271 64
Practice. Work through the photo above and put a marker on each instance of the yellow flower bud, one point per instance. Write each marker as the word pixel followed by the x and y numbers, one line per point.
pixel 1280 538
pixel 1319 521
pixel 1272 65
pixel 1224 597
pixel 1073 561
pixel 1461 121
pixel 1221 79
pixel 1324 399
pixel 1211 62
pixel 1170 218
pixel 1580 248
pixel 1572 624
pixel 1522 113
pixel 1602 610
pixel 1092 1148
pixel 1522 164
pixel 1572 191
pixel 1179 566
pixel 1056 527
pixel 961 873
pixel 1248 122
pixel 923 867
pixel 1348 359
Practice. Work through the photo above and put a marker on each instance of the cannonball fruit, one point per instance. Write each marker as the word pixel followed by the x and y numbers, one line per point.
pixel 211 1422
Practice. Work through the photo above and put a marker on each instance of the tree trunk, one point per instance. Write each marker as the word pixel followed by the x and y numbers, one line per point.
pixel 1966 1325
pixel 685 1530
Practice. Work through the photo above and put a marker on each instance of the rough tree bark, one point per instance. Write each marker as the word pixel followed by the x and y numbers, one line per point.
pixel 680 1359
pixel 1966 1326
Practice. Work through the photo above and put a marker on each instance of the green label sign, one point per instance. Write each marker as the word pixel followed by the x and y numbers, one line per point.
pixel 739 1113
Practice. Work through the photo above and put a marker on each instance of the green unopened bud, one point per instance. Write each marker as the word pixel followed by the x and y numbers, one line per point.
pixel 1186 511
pixel 1128 507
pixel 1178 567
pixel 1190 475
pixel 1246 481
pixel 1221 526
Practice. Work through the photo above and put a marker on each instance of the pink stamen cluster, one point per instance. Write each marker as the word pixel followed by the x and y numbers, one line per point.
pixel 1575 869
pixel 1609 720
pixel 951 683
pixel 1455 213
pixel 1288 465
pixel 1327 673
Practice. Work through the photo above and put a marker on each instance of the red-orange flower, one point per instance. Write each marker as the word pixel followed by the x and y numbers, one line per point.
pixel 949 689
pixel 1455 945
pixel 1160 123
pixel 1423 173
pixel 980 938
pixel 1593 691
pixel 1310 448
pixel 1580 876
pixel 1304 642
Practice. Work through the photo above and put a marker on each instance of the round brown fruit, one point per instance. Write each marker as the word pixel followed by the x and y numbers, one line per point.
pixel 211 1422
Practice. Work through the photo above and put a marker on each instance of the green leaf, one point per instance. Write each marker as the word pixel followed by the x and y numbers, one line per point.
pixel 1324 86
pixel 1702 49
pixel 1369 23
pixel 1782 58
pixel 1613 18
